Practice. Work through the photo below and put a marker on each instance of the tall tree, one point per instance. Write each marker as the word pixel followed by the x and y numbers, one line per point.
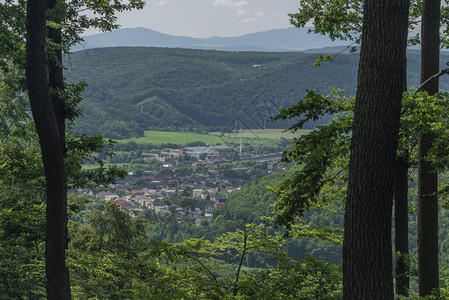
pixel 55 69
pixel 52 105
pixel 428 278
pixel 367 255
pixel 52 148
pixel 22 213
pixel 401 224
pixel 342 20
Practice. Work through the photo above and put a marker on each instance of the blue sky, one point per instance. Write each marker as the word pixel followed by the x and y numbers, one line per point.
pixel 205 18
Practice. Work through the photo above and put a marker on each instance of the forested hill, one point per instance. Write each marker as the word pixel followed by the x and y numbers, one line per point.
pixel 135 89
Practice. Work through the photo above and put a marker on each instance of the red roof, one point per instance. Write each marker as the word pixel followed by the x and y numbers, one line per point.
pixel 123 203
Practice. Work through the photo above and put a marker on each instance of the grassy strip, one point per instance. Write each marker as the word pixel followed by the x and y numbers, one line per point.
pixel 182 138
pixel 263 134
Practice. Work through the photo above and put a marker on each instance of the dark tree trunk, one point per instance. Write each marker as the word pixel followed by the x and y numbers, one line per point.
pixel 427 175
pixel 55 70
pixel 367 250
pixel 428 278
pixel 58 283
pixel 401 227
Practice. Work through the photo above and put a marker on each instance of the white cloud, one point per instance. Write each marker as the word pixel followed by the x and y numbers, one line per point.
pixel 249 20
pixel 240 13
pixel 283 16
pixel 161 3
pixel 230 3
pixel 259 13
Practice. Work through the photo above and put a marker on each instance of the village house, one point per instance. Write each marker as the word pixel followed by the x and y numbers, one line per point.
pixel 85 192
pixel 212 190
pixel 137 192
pixel 170 194
pixel 152 192
pixel 209 209
pixel 103 194
pixel 180 215
pixel 232 190
pixel 197 193
pixel 124 205
pixel 219 205
pixel 143 200
pixel 111 197
pixel 195 213
pixel 122 190
pixel 219 201
pixel 163 209
pixel 204 195
pixel 217 198
pixel 157 204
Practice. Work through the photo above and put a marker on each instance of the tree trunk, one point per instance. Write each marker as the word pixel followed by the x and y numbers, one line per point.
pixel 367 250
pixel 428 278
pixel 401 227
pixel 55 72
pixel 427 175
pixel 58 283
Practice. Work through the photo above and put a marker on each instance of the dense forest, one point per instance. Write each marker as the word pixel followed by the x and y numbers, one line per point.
pixel 131 90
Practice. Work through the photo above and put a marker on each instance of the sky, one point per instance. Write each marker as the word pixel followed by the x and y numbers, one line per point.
pixel 206 18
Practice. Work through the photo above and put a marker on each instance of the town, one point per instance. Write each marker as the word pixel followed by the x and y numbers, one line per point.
pixel 190 182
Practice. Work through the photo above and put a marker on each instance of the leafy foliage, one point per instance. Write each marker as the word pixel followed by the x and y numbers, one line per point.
pixel 22 226
pixel 338 19
pixel 342 20
pixel 225 263
pixel 322 155
pixel 114 242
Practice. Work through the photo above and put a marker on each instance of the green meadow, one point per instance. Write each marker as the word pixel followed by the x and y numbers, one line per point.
pixel 263 134
pixel 213 138
pixel 168 137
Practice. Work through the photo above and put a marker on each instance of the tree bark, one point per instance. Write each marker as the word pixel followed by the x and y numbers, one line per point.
pixel 58 283
pixel 428 278
pixel 56 72
pixel 401 227
pixel 367 249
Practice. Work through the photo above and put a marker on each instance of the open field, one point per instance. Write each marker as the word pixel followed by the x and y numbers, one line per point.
pixel 248 136
pixel 167 137
pixel 267 134
pixel 124 166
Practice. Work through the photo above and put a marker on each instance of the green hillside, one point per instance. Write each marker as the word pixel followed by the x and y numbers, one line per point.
pixel 136 89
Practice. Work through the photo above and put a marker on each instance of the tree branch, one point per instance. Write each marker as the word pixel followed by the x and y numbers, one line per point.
pixel 437 75
pixel 242 255
pixel 207 270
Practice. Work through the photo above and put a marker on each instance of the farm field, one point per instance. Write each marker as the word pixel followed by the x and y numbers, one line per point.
pixel 124 166
pixel 265 134
pixel 182 138
pixel 168 137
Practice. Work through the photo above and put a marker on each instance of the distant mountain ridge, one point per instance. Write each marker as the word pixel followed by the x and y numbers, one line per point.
pixel 276 40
